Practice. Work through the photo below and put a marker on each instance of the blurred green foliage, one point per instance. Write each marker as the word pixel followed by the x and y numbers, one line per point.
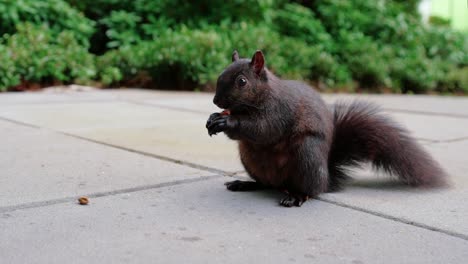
pixel 36 53
pixel 174 44
pixel 57 15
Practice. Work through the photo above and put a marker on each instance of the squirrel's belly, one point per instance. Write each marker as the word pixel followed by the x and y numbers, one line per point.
pixel 269 166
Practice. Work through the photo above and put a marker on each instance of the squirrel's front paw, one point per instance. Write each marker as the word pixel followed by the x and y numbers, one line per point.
pixel 217 123
pixel 212 118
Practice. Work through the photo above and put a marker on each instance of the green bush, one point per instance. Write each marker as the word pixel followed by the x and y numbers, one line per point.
pixel 200 55
pixel 439 21
pixel 457 81
pixel 365 59
pixel 446 45
pixel 193 55
pixel 35 54
pixel 298 21
pixel 57 15
pixel 179 44
pixel 8 76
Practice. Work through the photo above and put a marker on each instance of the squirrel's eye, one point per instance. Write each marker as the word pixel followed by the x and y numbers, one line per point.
pixel 242 82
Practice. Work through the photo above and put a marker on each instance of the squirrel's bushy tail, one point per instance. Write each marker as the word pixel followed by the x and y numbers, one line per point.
pixel 363 134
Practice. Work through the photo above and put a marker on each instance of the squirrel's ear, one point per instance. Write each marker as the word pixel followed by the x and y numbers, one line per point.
pixel 258 61
pixel 235 55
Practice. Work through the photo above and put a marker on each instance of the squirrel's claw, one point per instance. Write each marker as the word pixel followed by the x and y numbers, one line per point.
pixel 293 200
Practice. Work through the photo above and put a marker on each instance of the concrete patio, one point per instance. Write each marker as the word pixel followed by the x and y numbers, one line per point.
pixel 155 183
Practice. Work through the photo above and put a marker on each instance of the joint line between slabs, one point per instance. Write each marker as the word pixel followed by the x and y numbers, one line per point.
pixel 152 155
pixel 19 122
pixel 147 154
pixel 417 112
pixel 167 107
pixel 31 205
pixel 396 219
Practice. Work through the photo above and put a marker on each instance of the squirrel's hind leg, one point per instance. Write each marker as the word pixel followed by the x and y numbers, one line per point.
pixel 310 177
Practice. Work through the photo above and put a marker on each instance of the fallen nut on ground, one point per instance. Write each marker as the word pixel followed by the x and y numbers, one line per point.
pixel 83 200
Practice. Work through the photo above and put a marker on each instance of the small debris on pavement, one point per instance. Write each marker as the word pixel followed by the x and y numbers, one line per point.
pixel 83 200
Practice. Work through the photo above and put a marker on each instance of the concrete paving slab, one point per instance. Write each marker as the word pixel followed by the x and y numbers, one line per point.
pixel 49 97
pixel 203 223
pixel 453 157
pixel 140 95
pixel 414 104
pixel 187 142
pixel 87 115
pixel 109 115
pixel 439 208
pixel 446 105
pixel 424 127
pixel 421 125
pixel 165 131
pixel 28 98
pixel 179 135
pixel 436 208
pixel 201 104
pixel 428 104
pixel 39 165
pixel 434 108
pixel 433 128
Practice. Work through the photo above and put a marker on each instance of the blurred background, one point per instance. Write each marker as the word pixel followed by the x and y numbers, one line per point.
pixel 382 46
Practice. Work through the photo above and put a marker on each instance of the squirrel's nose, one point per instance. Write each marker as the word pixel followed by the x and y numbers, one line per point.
pixel 217 101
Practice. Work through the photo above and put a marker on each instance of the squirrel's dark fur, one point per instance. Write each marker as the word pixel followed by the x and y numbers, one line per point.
pixel 290 140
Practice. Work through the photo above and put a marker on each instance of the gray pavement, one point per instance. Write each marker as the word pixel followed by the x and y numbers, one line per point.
pixel 155 182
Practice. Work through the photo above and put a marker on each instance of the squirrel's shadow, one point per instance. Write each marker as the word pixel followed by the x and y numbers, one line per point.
pixel 376 184
pixel 379 184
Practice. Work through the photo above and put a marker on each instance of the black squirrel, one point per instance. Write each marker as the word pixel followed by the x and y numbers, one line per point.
pixel 290 140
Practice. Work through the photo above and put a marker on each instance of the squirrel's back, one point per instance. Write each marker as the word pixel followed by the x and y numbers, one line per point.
pixel 312 115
